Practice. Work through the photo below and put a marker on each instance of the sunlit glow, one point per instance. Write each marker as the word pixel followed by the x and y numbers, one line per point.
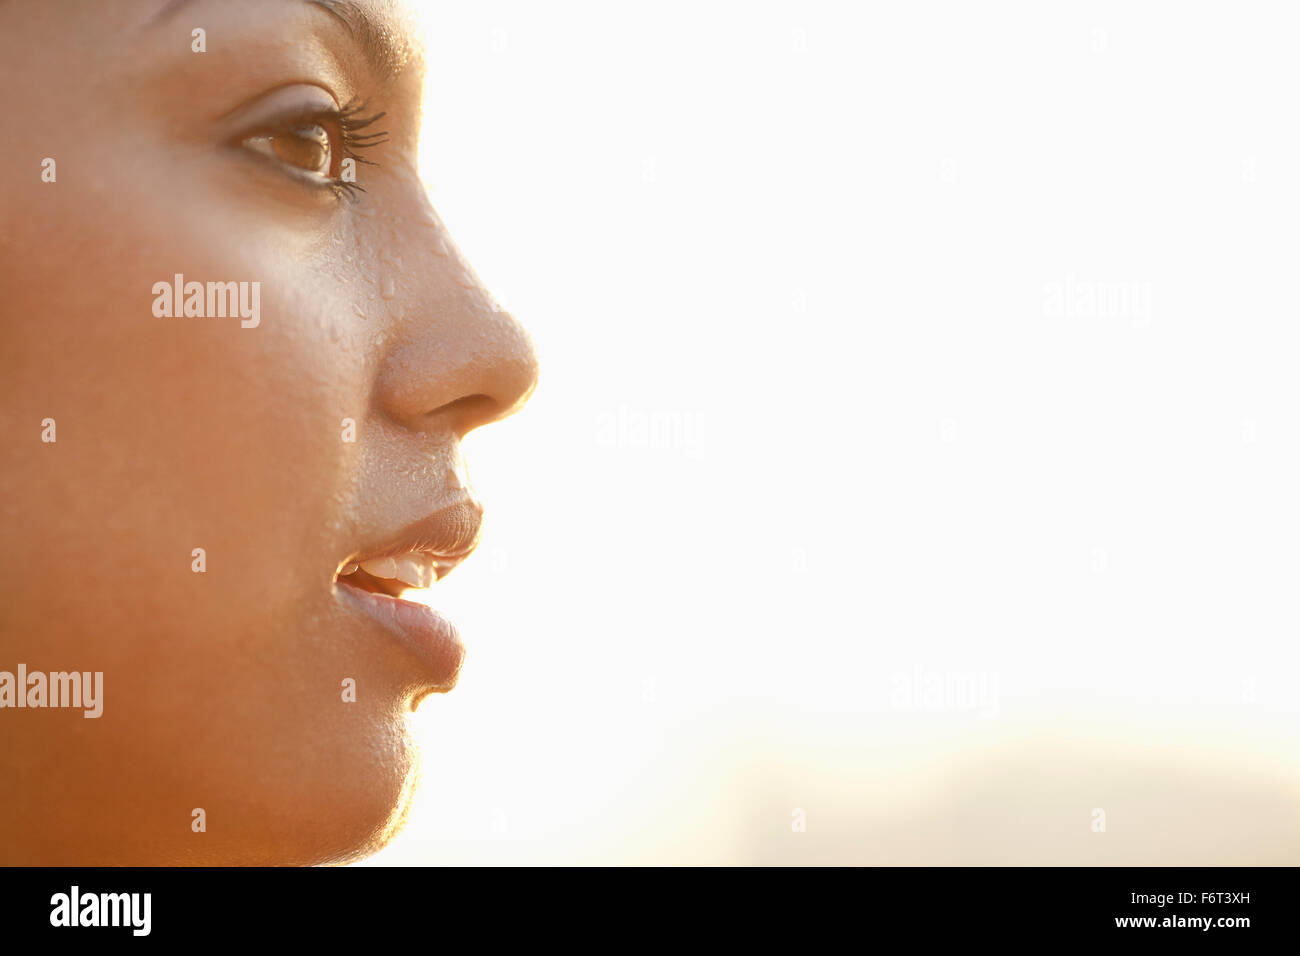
pixel 811 513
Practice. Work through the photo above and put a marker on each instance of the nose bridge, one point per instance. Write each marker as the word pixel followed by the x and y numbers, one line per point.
pixel 454 358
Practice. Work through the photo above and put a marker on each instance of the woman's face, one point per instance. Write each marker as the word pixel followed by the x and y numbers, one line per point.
pixel 315 425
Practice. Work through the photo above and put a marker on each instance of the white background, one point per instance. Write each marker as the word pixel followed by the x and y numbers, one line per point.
pixel 918 439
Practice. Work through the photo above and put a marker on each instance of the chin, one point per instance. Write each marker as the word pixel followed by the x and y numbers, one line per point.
pixel 318 796
pixel 341 805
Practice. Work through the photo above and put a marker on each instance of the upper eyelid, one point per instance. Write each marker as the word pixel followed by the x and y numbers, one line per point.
pixel 290 121
pixel 294 101
pixel 302 101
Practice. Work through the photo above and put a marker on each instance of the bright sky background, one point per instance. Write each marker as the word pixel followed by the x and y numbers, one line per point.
pixel 917 444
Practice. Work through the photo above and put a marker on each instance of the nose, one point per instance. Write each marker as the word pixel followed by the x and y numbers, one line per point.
pixel 456 361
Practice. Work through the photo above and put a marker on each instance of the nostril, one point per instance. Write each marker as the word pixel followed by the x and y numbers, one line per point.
pixel 466 413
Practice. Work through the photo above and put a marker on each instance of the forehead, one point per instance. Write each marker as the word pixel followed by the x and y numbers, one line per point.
pixel 385 32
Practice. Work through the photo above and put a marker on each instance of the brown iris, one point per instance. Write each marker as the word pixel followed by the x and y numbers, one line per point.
pixel 307 147
pixel 303 147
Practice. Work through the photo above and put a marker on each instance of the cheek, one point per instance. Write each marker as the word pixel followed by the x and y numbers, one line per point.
pixel 173 434
pixel 177 434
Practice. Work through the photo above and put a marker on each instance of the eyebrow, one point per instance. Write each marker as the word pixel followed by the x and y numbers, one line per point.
pixel 384 51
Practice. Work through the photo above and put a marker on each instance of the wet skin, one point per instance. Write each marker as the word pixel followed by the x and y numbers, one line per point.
pixel 221 687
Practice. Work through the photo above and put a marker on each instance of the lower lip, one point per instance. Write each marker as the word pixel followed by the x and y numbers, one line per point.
pixel 426 633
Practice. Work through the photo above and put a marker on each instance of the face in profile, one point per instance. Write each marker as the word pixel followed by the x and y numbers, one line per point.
pixel 240 352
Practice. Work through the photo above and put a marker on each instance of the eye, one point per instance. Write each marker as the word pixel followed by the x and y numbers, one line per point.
pixel 309 138
pixel 308 147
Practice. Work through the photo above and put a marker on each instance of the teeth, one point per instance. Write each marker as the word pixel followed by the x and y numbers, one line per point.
pixel 417 571
pixel 413 570
pixel 380 567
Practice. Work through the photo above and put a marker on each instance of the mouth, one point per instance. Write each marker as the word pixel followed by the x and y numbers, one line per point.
pixel 393 583
pixel 394 577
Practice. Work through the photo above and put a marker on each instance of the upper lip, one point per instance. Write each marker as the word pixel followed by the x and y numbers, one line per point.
pixel 449 535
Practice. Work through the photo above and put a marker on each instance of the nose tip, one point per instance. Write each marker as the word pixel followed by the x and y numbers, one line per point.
pixel 516 376
pixel 459 370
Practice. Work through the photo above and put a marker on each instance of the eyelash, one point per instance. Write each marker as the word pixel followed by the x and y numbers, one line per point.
pixel 350 124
